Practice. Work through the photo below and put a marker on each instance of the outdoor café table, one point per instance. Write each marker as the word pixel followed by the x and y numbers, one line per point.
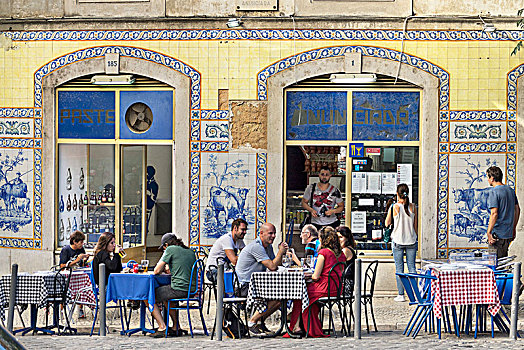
pixel 80 288
pixel 33 289
pixel 279 285
pixel 136 286
pixel 464 286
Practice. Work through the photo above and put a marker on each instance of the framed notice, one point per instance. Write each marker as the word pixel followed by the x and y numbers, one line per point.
pixel 358 221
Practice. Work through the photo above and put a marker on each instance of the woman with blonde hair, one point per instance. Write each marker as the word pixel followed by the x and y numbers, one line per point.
pixel 404 235
pixel 330 254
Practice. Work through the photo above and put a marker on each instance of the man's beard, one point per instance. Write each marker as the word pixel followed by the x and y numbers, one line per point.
pixel 324 181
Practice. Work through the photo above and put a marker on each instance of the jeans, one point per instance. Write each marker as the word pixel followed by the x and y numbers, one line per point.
pixel 398 256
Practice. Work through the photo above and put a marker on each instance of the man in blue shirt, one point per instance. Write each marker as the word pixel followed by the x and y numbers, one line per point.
pixel 505 212
pixel 74 254
pixel 258 256
pixel 309 237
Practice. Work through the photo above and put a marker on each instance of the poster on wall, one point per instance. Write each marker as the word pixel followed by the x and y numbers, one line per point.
pixel 358 221
pixel 316 115
pixel 385 115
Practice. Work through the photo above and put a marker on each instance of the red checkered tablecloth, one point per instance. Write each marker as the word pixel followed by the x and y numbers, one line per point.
pixel 80 287
pixel 464 287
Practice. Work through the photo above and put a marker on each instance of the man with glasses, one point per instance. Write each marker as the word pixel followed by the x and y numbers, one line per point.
pixel 309 237
pixel 226 247
pixel 258 256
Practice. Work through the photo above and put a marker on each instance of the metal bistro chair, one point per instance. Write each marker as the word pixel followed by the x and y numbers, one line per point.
pixel 59 298
pixel 348 287
pixel 334 278
pixel 369 289
pixel 420 297
pixel 95 292
pixel 236 302
pixel 194 294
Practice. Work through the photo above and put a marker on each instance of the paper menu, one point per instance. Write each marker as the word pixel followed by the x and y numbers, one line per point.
pixel 358 183
pixel 374 183
pixel 389 183
pixel 358 221
pixel 405 174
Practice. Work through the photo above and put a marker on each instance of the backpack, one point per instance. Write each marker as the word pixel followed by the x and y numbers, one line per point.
pixel 233 325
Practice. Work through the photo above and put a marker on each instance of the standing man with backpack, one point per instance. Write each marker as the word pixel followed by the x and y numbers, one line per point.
pixel 323 201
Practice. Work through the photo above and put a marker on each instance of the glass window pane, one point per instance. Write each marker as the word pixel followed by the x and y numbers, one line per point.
pixel 132 181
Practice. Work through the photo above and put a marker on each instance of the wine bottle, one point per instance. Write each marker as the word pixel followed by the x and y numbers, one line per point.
pixel 61 236
pixel 68 205
pixel 68 228
pixel 75 224
pixel 75 202
pixel 69 179
pixel 81 202
pixel 99 198
pixel 61 205
pixel 110 198
pixel 86 199
pixel 92 199
pixel 104 196
pixel 81 179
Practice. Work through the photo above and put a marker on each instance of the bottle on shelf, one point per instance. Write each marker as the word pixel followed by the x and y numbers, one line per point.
pixel 104 196
pixel 68 228
pixel 86 199
pixel 61 230
pixel 81 179
pixel 68 205
pixel 110 197
pixel 75 225
pixel 99 201
pixel 92 199
pixel 75 202
pixel 97 227
pixel 69 179
pixel 61 206
pixel 81 202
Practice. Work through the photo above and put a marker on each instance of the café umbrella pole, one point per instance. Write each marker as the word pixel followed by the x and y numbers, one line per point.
pixel 358 301
pixel 515 301
pixel 12 297
pixel 102 296
pixel 220 301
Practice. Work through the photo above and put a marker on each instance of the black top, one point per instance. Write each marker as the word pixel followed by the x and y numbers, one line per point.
pixel 112 265
pixel 69 254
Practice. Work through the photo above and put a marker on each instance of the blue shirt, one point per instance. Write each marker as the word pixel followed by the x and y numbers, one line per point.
pixel 504 199
pixel 313 247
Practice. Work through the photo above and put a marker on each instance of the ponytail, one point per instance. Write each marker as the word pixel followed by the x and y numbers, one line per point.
pixel 403 192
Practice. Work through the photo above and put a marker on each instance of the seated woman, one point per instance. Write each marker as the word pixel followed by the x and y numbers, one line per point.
pixel 106 252
pixel 178 260
pixel 330 253
pixel 349 248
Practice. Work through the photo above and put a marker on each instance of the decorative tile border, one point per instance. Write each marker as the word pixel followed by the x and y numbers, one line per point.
pixel 214 130
pixel 442 224
pixel 214 146
pixel 214 114
pixel 265 34
pixel 494 131
pixel 17 127
pixel 477 115
pixel 261 189
pixel 7 112
pixel 443 134
pixel 483 147
pixel 195 130
pixel 335 51
pixel 511 169
pixel 194 193
pixel 513 76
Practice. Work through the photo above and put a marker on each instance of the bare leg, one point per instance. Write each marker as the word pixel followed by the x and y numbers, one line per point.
pixel 158 318
pixel 272 306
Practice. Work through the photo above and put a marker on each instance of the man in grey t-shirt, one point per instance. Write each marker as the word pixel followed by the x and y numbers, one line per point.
pixel 258 256
pixel 505 212
pixel 327 201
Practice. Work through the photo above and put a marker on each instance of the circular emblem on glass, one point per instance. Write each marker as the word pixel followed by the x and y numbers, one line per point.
pixel 139 117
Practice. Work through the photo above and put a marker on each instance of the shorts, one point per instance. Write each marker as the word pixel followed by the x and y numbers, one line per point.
pixel 165 293
pixel 242 291
pixel 501 246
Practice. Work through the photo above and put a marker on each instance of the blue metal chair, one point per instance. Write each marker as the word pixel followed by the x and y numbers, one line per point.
pixel 195 294
pixel 420 295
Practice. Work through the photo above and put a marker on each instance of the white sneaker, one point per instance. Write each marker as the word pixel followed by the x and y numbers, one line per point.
pixel 400 298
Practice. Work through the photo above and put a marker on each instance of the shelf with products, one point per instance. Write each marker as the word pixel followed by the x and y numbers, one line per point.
pixel 369 211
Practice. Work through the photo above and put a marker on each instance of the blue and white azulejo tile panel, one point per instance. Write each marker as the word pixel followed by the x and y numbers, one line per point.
pixel 490 131
pixel 227 191
pixel 214 130
pixel 17 127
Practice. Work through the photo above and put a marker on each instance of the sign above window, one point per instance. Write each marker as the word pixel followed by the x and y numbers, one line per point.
pixel 257 5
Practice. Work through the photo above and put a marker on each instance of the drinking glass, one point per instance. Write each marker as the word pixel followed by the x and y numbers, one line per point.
pixel 309 261
pixel 286 261
pixel 145 264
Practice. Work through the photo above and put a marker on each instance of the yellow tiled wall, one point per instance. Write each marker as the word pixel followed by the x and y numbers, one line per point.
pixel 477 68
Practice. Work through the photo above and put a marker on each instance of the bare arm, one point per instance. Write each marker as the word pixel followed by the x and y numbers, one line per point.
pixel 348 253
pixel 516 220
pixel 415 219
pixel 388 217
pixel 338 209
pixel 272 265
pixel 230 253
pixel 492 220
pixel 318 268
pixel 160 267
pixel 306 206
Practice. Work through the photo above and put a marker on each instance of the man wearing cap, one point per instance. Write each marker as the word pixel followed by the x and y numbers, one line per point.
pixel 226 247
pixel 178 260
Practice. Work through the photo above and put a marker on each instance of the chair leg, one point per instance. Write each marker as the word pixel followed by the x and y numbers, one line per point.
pixel 94 320
pixel 366 312
pixel 438 328
pixel 189 320
pixel 455 321
pixel 373 314
pixel 202 319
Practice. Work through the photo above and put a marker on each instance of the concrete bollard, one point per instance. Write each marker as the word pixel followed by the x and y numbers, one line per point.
pixel 102 297
pixel 220 301
pixel 515 301
pixel 12 297
pixel 358 299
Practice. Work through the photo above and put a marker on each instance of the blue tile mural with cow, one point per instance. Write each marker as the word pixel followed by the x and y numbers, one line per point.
pixel 228 182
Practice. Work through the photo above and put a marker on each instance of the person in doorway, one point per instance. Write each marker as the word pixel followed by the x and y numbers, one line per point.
pixel 178 260
pixel 505 212
pixel 106 252
pixel 404 235
pixel 258 256
pixel 309 237
pixel 226 247
pixel 74 254
pixel 326 203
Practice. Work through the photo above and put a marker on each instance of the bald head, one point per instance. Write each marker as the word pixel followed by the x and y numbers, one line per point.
pixel 267 234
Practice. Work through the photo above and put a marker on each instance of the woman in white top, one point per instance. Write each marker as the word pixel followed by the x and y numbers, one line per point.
pixel 404 235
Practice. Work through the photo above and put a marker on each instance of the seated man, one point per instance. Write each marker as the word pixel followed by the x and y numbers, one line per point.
pixel 256 257
pixel 226 247
pixel 309 236
pixel 74 254
pixel 178 260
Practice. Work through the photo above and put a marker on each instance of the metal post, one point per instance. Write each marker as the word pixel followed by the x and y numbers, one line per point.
pixel 358 300
pixel 102 297
pixel 220 301
pixel 12 297
pixel 515 301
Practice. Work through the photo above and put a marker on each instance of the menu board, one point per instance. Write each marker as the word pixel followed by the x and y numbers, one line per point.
pixel 358 221
pixel 376 183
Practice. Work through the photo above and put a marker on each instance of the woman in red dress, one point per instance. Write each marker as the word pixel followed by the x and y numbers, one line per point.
pixel 330 253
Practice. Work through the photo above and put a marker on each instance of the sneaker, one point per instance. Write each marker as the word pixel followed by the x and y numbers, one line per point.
pixel 400 298
pixel 81 313
pixel 266 330
pixel 256 330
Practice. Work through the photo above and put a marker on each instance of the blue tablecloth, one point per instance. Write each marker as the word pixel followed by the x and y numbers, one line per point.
pixel 135 286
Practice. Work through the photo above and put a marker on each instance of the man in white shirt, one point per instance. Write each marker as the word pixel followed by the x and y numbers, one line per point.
pixel 226 247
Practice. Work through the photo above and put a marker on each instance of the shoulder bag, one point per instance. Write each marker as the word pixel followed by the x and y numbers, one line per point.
pixel 389 229
pixel 307 219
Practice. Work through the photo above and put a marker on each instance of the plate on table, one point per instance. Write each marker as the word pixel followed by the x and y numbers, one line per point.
pixel 449 267
pixel 476 267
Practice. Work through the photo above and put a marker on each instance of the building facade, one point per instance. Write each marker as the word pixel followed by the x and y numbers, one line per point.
pixel 207 123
